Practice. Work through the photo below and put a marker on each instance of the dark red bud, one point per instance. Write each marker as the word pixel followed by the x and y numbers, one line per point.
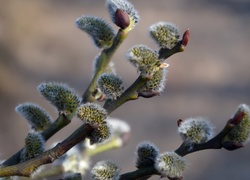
pixel 122 19
pixel 185 37
pixel 179 122
pixel 237 118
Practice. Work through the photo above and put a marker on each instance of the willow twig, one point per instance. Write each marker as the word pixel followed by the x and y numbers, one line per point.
pixel 27 167
pixel 139 173
pixel 58 124
pixel 105 58
pixel 184 149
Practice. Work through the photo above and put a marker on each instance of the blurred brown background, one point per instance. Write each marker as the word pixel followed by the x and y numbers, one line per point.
pixel 39 42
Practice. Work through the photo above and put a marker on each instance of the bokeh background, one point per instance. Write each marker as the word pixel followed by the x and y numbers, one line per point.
pixel 39 42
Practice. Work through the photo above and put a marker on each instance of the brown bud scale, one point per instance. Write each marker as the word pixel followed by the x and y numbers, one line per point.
pixel 185 37
pixel 122 19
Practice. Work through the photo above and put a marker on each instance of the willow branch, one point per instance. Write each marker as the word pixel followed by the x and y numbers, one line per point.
pixel 184 149
pixel 61 121
pixel 24 169
pixel 165 53
pixel 214 143
pixel 27 167
pixel 105 58
pixel 58 124
pixel 140 173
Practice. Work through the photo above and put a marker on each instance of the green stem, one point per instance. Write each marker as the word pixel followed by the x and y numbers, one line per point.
pixel 105 58
pixel 112 144
pixel 129 94
pixel 166 53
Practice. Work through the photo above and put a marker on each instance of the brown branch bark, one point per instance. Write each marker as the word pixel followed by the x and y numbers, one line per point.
pixel 143 173
pixel 184 149
pixel 27 167
pixel 58 124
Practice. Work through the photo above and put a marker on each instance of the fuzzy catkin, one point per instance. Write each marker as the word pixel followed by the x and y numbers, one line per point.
pixel 105 170
pixel 240 133
pixel 34 146
pixel 165 34
pixel 170 165
pixel 61 96
pixel 92 113
pixel 144 59
pixel 157 82
pixel 100 134
pixel 37 117
pixel 98 29
pixel 146 154
pixel 195 130
pixel 110 85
